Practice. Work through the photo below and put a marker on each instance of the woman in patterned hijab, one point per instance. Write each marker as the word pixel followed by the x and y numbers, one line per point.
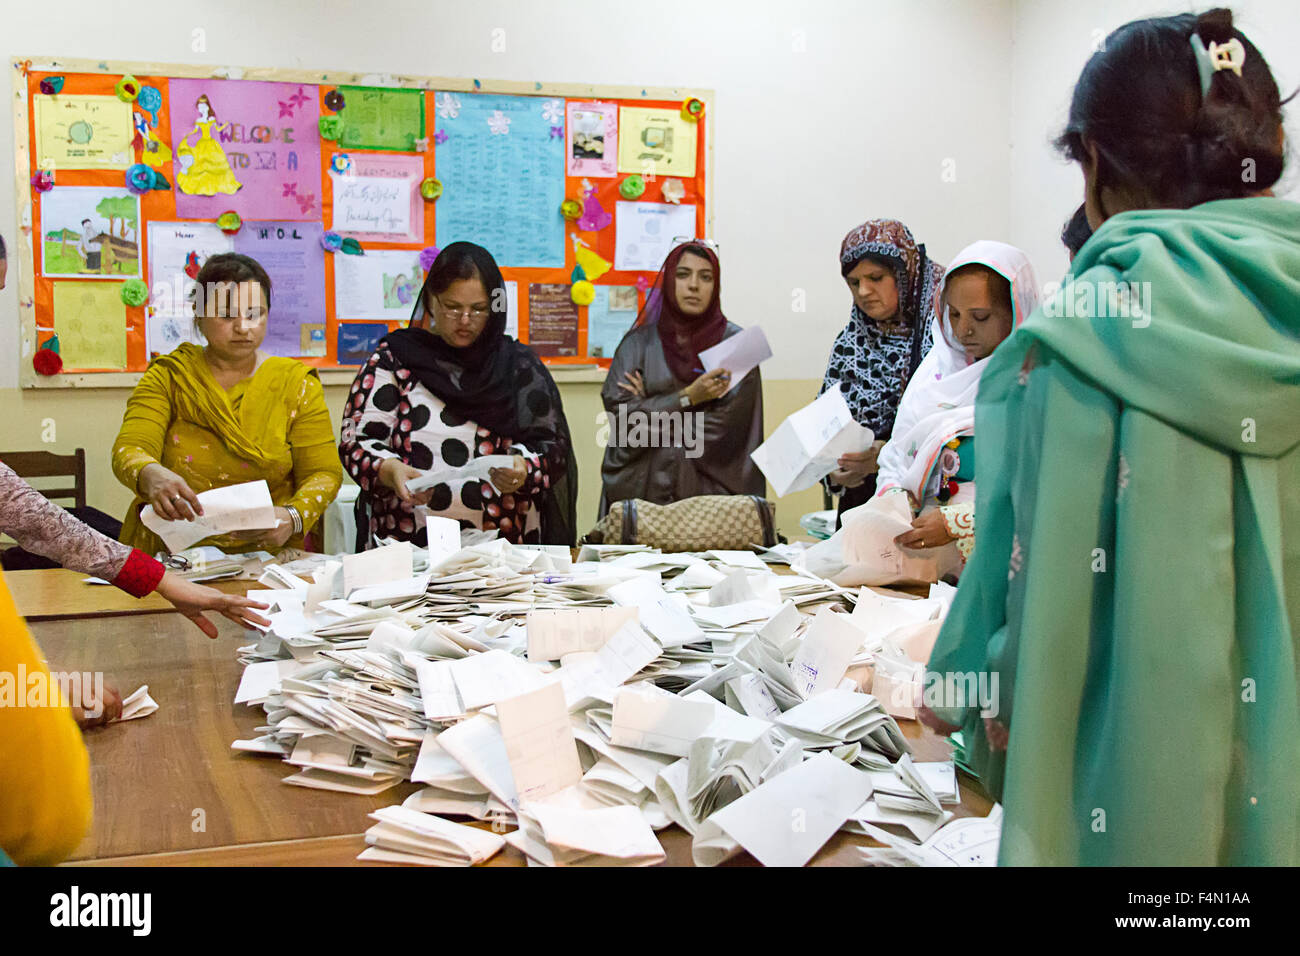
pixel 893 283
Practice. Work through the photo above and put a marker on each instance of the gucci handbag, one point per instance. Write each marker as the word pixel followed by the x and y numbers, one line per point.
pixel 702 523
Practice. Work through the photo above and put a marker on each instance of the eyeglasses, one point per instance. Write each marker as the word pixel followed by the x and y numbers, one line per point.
pixel 696 240
pixel 473 312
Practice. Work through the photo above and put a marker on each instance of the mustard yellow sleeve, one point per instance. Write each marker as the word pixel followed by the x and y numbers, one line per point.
pixel 144 426
pixel 45 801
pixel 317 472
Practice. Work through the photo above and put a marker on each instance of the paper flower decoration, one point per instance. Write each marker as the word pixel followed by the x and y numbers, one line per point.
pixel 674 190
pixel 570 209
pixel 334 101
pixel 127 88
pixel 582 293
pixel 229 222
pixel 141 178
pixel 331 241
pixel 440 137
pixel 427 255
pixel 43 180
pixel 47 360
pixel 692 109
pixel 642 283
pixel 135 292
pixel 331 127
pixel 351 247
pixel 422 144
pixel 51 85
pixel 594 218
pixel 150 100
pixel 577 275
pixel 632 187
pixel 341 163
pixel 430 189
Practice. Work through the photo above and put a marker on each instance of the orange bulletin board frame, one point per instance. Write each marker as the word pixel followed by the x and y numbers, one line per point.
pixel 82 77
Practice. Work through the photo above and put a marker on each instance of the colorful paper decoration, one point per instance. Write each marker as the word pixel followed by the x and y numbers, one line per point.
pixel 351 247
pixel 150 100
pixel 127 88
pixel 571 209
pixel 430 189
pixel 334 101
pixel 229 222
pixel 674 190
pixel 51 85
pixel 207 171
pixel 330 127
pixel 592 265
pixel 341 163
pixel 577 275
pixel 594 218
pixel 632 187
pixel 427 255
pixel 141 178
pixel 331 241
pixel 135 292
pixel 582 293
pixel 43 180
pixel 47 360
pixel 692 109
pixel 153 151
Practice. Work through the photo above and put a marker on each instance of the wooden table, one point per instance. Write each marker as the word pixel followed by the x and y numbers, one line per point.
pixel 57 593
pixel 152 777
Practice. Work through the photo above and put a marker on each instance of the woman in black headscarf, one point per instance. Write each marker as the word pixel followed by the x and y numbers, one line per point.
pixel 451 387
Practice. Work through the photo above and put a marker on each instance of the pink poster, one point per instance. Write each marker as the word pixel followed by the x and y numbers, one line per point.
pixel 592 139
pixel 403 172
pixel 248 146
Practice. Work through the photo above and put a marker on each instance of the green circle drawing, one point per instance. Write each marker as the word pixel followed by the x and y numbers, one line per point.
pixel 80 132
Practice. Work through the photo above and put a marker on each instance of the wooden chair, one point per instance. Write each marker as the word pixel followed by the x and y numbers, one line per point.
pixel 45 464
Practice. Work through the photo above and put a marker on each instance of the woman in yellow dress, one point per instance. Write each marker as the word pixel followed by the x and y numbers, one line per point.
pixel 210 172
pixel 225 414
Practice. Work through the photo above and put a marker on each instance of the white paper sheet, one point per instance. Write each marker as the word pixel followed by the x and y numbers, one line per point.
pixel 644 233
pixel 740 354
pixel 555 633
pixel 243 507
pixel 539 742
pixel 806 447
pixel 828 646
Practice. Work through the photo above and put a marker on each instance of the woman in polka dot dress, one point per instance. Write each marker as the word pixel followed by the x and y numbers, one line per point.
pixel 451 387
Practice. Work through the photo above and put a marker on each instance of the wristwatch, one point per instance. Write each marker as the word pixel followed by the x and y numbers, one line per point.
pixel 684 399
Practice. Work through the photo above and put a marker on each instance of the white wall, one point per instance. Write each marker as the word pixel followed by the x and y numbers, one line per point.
pixel 1052 40
pixel 828 113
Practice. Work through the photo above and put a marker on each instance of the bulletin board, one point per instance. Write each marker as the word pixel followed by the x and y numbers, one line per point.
pixel 344 186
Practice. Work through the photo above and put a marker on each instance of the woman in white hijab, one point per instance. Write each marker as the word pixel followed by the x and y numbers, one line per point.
pixel 987 291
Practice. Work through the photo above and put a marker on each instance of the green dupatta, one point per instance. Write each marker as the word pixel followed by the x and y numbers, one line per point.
pixel 1136 585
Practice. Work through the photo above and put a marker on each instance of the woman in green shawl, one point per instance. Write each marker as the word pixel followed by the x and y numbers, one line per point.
pixel 1136 590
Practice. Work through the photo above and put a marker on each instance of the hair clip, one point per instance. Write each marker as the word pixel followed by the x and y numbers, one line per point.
pixel 1218 56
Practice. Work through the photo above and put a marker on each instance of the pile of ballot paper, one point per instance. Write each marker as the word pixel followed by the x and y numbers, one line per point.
pixel 577 707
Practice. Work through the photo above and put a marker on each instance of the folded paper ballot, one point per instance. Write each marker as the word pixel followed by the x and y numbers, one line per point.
pixel 969 841
pixel 138 704
pixel 430 839
pixel 739 354
pixel 476 469
pixel 244 507
pixel 807 446
pixel 666 688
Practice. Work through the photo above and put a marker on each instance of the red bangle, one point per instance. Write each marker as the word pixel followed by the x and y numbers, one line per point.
pixel 140 575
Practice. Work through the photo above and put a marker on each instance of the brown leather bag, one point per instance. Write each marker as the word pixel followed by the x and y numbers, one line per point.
pixel 702 523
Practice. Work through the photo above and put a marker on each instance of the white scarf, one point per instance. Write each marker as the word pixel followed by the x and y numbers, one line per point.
pixel 939 403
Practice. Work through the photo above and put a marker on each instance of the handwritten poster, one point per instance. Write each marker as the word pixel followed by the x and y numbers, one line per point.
pixel 593 139
pixel 292 256
pixel 248 146
pixel 83 132
pixel 382 284
pixel 90 232
pixel 375 118
pixel 645 232
pixel 609 317
pixel 372 204
pixel 502 172
pixel 177 250
pixel 90 321
pixel 655 142
pixel 410 170
pixel 552 320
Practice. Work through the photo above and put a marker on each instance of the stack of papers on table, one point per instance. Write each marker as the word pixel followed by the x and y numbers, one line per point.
pixel 403 835
pixel 970 841
pixel 556 834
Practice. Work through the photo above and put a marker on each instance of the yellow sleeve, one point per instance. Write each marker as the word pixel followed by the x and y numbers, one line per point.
pixel 317 472
pixel 144 426
pixel 45 798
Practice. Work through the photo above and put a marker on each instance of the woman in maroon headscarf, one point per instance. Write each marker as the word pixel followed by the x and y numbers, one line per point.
pixel 675 430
